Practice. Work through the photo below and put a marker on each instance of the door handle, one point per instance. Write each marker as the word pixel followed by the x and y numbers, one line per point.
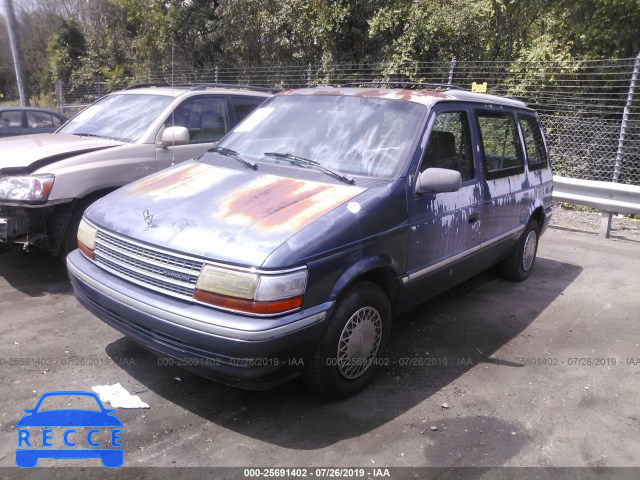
pixel 473 218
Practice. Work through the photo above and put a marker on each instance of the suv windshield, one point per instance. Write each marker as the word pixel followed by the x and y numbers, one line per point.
pixel 348 134
pixel 119 117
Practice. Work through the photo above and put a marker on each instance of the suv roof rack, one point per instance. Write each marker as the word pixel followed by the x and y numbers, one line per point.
pixel 143 85
pixel 411 84
pixel 202 86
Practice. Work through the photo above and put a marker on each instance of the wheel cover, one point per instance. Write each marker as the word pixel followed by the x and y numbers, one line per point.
pixel 359 342
pixel 529 251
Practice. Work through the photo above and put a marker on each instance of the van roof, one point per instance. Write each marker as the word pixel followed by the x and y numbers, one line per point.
pixel 424 97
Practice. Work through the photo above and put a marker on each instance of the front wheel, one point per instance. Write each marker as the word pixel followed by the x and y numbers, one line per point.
pixel 70 238
pixel 518 265
pixel 349 354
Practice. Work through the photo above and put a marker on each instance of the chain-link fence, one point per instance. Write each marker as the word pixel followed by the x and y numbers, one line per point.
pixel 581 103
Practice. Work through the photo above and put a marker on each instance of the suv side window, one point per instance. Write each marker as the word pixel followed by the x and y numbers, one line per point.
pixel 501 144
pixel 533 142
pixel 449 145
pixel 243 106
pixel 205 118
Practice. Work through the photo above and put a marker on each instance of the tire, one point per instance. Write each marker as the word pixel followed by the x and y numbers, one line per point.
pixel 518 265
pixel 70 238
pixel 342 363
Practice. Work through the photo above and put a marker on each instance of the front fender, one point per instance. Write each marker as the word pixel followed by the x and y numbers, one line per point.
pixel 378 268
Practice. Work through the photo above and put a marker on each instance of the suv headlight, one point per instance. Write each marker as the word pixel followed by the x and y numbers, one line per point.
pixel 257 293
pixel 27 188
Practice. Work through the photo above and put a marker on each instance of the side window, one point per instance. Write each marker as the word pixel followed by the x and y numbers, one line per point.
pixel 449 145
pixel 205 118
pixel 39 120
pixel 10 119
pixel 243 106
pixel 501 143
pixel 57 121
pixel 533 142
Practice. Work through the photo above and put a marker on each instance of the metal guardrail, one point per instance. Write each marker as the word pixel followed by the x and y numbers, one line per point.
pixel 606 196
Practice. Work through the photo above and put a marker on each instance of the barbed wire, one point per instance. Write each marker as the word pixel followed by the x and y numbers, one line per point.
pixel 580 103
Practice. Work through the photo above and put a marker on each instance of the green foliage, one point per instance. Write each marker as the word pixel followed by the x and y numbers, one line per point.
pixel 75 41
pixel 65 49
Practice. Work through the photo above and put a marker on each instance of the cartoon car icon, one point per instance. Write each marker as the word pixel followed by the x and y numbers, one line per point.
pixel 69 419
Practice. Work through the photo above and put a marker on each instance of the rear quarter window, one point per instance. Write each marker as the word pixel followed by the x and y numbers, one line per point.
pixel 533 142
pixel 501 145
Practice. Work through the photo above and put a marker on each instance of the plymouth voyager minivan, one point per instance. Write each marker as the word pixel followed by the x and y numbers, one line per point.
pixel 289 248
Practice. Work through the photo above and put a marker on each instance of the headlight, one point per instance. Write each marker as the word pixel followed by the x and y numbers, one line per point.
pixel 87 239
pixel 257 293
pixel 33 188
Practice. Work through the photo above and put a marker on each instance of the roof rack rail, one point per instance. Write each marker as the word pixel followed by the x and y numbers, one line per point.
pixel 143 85
pixel 412 84
pixel 202 86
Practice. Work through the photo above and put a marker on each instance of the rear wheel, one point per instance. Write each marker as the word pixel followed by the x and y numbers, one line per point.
pixel 518 265
pixel 349 354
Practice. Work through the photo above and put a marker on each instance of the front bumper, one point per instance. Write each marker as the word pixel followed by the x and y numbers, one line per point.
pixel 13 226
pixel 246 352
pixel 25 225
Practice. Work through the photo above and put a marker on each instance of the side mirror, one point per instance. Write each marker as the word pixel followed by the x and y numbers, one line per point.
pixel 438 180
pixel 175 136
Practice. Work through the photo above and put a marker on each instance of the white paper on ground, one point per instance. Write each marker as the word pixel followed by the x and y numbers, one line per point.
pixel 118 397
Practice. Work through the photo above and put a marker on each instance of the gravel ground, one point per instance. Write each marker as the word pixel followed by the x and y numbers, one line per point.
pixel 621 227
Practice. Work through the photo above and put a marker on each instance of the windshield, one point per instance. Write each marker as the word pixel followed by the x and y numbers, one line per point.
pixel 348 134
pixel 118 117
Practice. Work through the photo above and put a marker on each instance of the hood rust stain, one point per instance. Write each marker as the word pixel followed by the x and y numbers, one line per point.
pixel 168 180
pixel 283 203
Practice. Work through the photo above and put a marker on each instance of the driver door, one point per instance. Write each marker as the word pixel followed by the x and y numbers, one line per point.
pixel 443 226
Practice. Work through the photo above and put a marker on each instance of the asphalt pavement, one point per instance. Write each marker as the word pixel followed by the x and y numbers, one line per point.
pixel 492 373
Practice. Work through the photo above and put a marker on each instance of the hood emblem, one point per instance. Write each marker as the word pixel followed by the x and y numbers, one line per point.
pixel 148 218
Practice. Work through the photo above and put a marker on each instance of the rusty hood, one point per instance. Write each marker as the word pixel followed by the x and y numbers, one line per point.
pixel 223 214
pixel 29 152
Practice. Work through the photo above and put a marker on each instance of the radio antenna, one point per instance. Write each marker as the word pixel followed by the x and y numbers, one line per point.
pixel 173 149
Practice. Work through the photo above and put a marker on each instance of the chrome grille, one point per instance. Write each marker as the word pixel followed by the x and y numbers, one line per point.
pixel 155 269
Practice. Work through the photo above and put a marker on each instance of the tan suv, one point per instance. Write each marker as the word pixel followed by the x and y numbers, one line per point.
pixel 48 180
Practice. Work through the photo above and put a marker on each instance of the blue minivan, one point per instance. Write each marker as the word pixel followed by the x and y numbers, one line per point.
pixel 289 248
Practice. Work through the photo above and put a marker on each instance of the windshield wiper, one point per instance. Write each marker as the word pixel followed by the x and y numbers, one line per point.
pixel 101 136
pixel 305 162
pixel 82 134
pixel 233 154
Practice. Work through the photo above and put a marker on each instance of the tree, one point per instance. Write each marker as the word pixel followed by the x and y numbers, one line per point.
pixel 65 50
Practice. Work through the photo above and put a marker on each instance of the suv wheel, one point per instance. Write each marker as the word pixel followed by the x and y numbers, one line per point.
pixel 517 266
pixel 70 238
pixel 349 353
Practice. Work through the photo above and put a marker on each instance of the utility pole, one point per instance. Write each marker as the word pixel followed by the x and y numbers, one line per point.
pixel 16 51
